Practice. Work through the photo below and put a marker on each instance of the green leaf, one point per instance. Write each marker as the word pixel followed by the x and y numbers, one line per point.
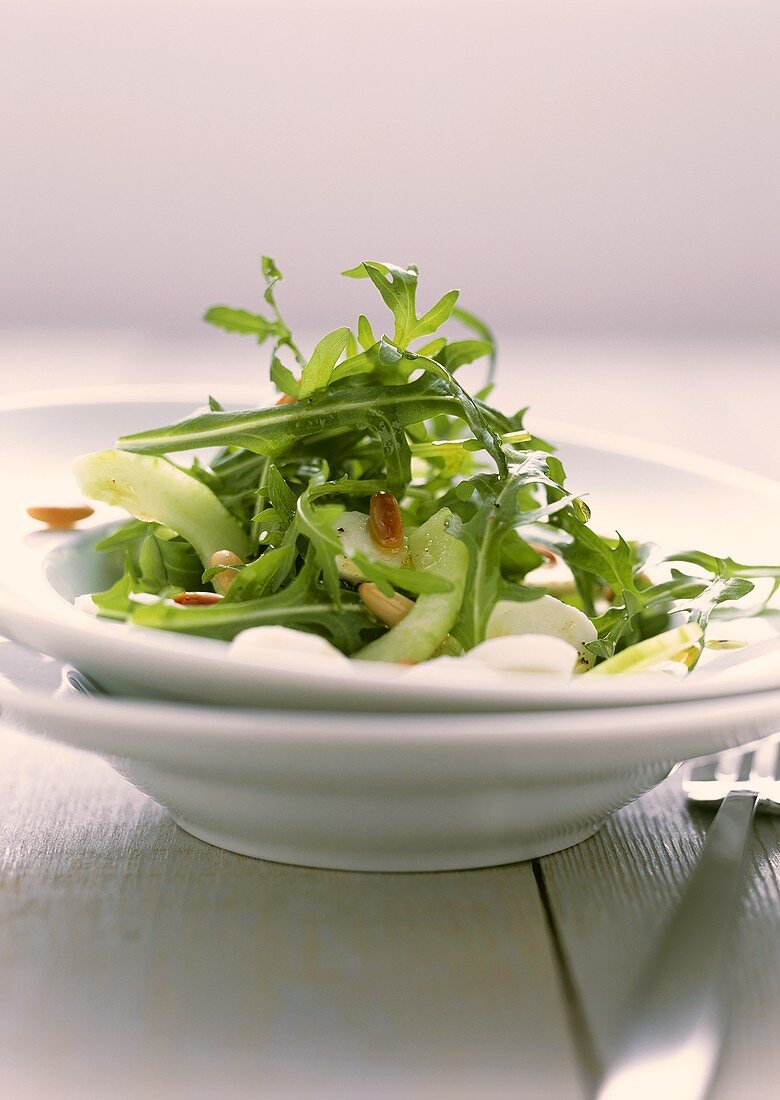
pixel 156 556
pixel 316 374
pixel 277 430
pixel 115 602
pixel 496 508
pixel 283 500
pixel 724 567
pixel 357 272
pixel 152 565
pixel 365 333
pixel 261 576
pixel 301 605
pixel 128 535
pixel 283 378
pixel 590 553
pixel 242 322
pixel 461 352
pixel 272 276
pixel 472 411
pixel 437 315
pixel 483 331
pixel 432 348
pixel 398 288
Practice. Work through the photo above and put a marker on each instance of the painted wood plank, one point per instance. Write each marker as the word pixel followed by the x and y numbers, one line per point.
pixel 611 897
pixel 137 961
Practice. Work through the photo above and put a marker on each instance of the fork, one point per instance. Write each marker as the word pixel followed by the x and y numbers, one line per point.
pixel 671 1035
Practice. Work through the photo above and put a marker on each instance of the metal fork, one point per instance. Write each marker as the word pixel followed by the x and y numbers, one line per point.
pixel 672 1033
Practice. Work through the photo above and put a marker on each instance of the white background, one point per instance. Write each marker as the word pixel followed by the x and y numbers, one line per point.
pixel 580 168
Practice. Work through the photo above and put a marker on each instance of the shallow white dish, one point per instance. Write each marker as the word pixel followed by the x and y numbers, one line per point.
pixel 672 498
pixel 378 792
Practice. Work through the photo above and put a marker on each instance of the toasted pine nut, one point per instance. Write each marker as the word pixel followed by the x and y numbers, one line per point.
pixel 223 558
pixel 197 599
pixel 549 555
pixel 389 610
pixel 61 519
pixel 287 399
pixel 386 524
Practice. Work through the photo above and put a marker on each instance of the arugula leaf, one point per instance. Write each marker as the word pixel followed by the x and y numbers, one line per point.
pixel 115 602
pixel 277 430
pixel 272 276
pixel 155 556
pixel 459 353
pixel 591 554
pixel 398 288
pixel 483 331
pixel 261 576
pixel 128 535
pixel 436 316
pixel 365 333
pixel 283 378
pixel 242 322
pixel 302 605
pixel 498 507
pixel 724 567
pixel 316 374
pixel 472 413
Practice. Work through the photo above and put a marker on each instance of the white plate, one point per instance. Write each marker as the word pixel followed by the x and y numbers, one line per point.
pixel 672 498
pixel 376 792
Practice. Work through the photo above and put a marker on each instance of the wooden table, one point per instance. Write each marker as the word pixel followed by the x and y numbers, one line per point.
pixel 136 961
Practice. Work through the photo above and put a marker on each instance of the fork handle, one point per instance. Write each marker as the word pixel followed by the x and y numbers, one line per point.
pixel 671 1036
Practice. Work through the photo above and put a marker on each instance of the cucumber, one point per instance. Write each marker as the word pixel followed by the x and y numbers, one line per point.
pixel 154 490
pixel 422 631
pixel 651 652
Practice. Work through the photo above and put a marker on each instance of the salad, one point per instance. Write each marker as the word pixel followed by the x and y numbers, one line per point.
pixel 382 512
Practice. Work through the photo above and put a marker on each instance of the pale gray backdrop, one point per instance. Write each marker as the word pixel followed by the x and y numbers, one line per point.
pixel 578 167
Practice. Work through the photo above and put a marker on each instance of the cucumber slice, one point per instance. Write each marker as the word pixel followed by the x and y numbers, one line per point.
pixel 651 652
pixel 154 490
pixel 422 631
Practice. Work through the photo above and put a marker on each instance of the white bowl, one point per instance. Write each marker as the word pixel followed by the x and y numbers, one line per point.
pixel 375 792
pixel 675 499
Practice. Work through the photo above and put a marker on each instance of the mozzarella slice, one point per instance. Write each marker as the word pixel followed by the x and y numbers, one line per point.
pixel 281 641
pixel 543 616
pixel 527 653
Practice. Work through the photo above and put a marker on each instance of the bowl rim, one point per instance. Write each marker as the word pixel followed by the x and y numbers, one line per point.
pixel 196 724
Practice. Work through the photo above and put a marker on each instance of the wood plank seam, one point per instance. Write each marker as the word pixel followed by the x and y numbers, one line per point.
pixel 582 1038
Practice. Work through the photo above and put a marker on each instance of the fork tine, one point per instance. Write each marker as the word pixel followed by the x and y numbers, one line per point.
pixel 754 767
pixel 745 769
pixel 728 765
pixel 704 772
pixel 765 761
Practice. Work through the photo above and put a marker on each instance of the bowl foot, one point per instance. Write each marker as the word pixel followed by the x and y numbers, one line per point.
pixel 466 858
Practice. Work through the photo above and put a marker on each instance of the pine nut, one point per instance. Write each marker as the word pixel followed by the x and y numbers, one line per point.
pixel 60 519
pixel 549 555
pixel 389 610
pixel 385 523
pixel 225 559
pixel 197 599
